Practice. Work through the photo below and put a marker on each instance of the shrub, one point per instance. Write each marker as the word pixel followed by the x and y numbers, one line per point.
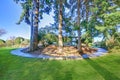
pixel 25 43
pixel 9 43
pixel 19 40
pixel 2 43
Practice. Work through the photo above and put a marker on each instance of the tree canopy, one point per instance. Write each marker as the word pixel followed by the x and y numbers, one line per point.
pixel 84 19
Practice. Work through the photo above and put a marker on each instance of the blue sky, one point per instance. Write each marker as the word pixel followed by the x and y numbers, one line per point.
pixel 9 15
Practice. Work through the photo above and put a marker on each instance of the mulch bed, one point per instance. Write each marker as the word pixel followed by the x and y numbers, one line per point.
pixel 53 50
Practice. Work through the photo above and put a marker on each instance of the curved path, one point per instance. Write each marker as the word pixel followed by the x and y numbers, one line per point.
pixel 99 52
pixel 18 52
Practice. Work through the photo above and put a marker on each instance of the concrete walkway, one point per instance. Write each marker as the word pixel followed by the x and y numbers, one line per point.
pixel 99 52
pixel 18 52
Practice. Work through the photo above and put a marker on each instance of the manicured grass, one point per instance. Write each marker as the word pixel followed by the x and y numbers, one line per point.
pixel 19 68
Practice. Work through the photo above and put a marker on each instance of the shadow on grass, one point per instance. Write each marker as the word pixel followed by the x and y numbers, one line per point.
pixel 107 75
pixel 12 68
pixel 58 71
pixel 45 70
pixel 2 70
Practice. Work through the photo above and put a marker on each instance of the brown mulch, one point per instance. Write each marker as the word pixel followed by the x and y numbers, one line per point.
pixel 66 51
pixel 53 50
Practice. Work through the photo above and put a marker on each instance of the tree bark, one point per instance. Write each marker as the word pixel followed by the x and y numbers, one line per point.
pixel 60 41
pixel 78 24
pixel 34 26
pixel 87 9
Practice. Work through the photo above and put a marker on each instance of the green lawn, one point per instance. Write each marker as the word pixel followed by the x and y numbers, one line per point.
pixel 20 68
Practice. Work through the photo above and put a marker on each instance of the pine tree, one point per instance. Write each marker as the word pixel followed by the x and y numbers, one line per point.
pixel 33 9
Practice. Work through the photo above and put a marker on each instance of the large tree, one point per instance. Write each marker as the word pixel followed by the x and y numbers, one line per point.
pixel 32 13
pixel 60 41
pixel 76 15
pixel 59 11
pixel 34 26
pixel 78 25
pixel 108 17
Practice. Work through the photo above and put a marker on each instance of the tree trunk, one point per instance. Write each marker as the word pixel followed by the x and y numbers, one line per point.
pixel 78 24
pixel 34 26
pixel 60 41
pixel 87 10
pixel 87 15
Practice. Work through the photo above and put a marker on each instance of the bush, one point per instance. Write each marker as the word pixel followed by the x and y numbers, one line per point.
pixel 25 43
pixel 19 40
pixel 113 43
pixel 9 43
pixel 47 38
pixel 2 43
